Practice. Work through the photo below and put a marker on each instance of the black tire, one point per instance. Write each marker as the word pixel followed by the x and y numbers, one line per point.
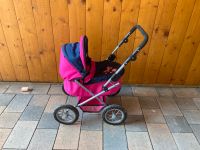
pixel 114 94
pixel 66 107
pixel 113 107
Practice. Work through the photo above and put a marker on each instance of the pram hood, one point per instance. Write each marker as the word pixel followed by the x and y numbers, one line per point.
pixel 74 60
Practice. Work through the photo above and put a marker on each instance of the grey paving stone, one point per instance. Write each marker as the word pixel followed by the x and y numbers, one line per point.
pixel 186 141
pixel 126 91
pixel 135 124
pixel 16 88
pixel 153 116
pixel 186 92
pixel 72 100
pixel 90 140
pixel 185 103
pixel 43 139
pixel 39 100
pixel 197 102
pixel 112 136
pixel 178 124
pixel 131 104
pixel 19 103
pixel 40 88
pixel 32 113
pixel 161 137
pixel 2 109
pixel 165 92
pixel 144 91
pixel 56 89
pixel 192 116
pixel 21 135
pixel 114 100
pixel 169 107
pixel 138 141
pixel 8 120
pixel 4 133
pixel 48 122
pixel 5 99
pixel 91 122
pixel 196 131
pixel 148 103
pixel 3 87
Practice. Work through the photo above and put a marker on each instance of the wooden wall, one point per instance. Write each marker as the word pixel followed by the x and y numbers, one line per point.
pixel 32 32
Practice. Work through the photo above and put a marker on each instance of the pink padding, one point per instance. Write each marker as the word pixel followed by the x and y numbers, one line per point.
pixel 82 51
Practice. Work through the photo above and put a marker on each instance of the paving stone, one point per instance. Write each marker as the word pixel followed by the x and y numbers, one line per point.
pixel 4 133
pixel 161 137
pixel 186 92
pixel 48 122
pixel 91 122
pixel 68 137
pixel 153 116
pixel 178 124
pixel 138 141
pixel 54 102
pixel 144 91
pixel 39 100
pixel 8 120
pixel 43 139
pixel 5 99
pixel 56 89
pixel 39 88
pixel 192 116
pixel 16 88
pixel 135 123
pixel 196 131
pixel 185 103
pixel 32 113
pixel 114 137
pixel 19 103
pixel 21 135
pixel 72 100
pixel 114 100
pixel 186 141
pixel 90 140
pixel 3 87
pixel 197 102
pixel 165 92
pixel 126 91
pixel 2 109
pixel 169 107
pixel 148 103
pixel 131 104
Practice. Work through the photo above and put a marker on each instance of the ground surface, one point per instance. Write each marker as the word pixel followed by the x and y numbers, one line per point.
pixel 159 118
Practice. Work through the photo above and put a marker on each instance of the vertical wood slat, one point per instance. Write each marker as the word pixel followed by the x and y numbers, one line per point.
pixel 129 16
pixel 189 47
pixel 94 21
pixel 146 18
pixel 159 38
pixel 60 23
pixel 13 39
pixel 27 28
pixel 111 23
pixel 42 15
pixel 6 68
pixel 176 36
pixel 76 19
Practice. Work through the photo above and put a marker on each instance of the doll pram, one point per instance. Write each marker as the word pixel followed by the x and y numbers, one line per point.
pixel 92 81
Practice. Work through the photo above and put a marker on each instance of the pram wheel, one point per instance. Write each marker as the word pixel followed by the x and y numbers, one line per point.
pixel 114 114
pixel 66 114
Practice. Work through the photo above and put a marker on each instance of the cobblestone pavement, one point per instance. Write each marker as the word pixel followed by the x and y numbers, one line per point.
pixel 158 118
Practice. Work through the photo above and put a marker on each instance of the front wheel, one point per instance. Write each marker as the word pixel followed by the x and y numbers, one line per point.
pixel 114 114
pixel 66 114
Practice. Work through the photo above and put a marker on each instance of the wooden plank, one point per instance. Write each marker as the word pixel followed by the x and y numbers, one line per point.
pixel 94 9
pixel 159 38
pixel 41 10
pixel 189 47
pixel 76 19
pixel 111 23
pixel 13 39
pixel 60 23
pixel 176 36
pixel 146 18
pixel 7 72
pixel 194 72
pixel 129 16
pixel 27 28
